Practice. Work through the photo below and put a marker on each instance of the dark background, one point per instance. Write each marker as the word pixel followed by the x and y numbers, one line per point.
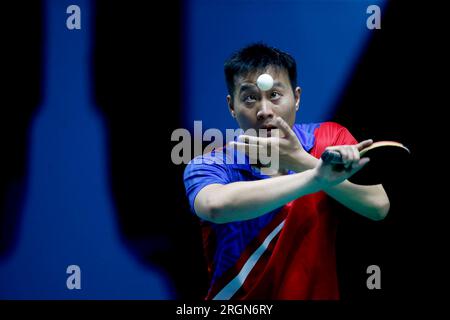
pixel 398 89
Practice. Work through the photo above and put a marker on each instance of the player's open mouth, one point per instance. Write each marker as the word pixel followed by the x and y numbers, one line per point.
pixel 268 129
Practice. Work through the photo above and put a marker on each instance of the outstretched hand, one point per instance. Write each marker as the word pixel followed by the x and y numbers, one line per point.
pixel 282 141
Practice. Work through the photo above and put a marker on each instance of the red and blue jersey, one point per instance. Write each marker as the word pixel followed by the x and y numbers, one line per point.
pixel 288 253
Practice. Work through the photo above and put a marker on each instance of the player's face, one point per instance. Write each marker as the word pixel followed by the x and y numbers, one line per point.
pixel 257 109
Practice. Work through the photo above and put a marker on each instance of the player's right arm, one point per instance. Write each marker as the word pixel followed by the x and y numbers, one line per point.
pixel 245 200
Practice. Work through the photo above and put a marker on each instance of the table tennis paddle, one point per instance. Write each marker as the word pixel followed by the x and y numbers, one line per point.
pixel 386 157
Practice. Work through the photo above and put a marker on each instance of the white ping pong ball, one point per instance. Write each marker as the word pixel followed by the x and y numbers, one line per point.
pixel 264 82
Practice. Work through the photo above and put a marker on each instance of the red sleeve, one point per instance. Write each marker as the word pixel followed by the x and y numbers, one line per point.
pixel 331 134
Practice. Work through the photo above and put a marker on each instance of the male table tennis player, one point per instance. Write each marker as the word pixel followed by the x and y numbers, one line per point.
pixel 273 237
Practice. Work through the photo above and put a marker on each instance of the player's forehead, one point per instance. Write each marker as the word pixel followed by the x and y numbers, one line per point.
pixel 247 80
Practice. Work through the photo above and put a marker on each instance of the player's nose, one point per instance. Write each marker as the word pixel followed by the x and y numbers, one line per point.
pixel 265 110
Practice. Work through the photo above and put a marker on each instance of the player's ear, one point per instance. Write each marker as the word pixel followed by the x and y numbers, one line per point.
pixel 231 106
pixel 297 93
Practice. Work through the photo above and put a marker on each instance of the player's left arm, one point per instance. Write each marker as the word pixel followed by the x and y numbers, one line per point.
pixel 369 201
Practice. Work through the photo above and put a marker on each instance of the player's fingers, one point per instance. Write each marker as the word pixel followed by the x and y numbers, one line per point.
pixel 243 146
pixel 253 140
pixel 359 165
pixel 346 157
pixel 355 153
pixel 250 149
pixel 364 144
pixel 285 128
pixel 353 157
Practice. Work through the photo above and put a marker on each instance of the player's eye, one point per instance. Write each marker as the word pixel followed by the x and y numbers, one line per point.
pixel 250 98
pixel 275 95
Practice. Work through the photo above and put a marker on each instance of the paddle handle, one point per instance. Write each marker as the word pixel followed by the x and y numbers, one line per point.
pixel 333 157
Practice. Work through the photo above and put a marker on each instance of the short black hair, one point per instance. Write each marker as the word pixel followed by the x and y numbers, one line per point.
pixel 257 57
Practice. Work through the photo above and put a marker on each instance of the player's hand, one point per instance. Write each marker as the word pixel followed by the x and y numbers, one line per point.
pixel 328 174
pixel 282 141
